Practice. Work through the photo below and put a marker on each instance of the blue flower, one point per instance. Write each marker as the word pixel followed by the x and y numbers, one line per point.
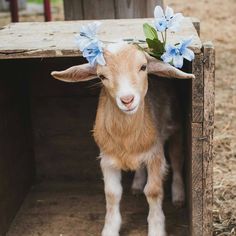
pixel 87 35
pixel 90 45
pixel 176 53
pixel 167 20
pixel 94 53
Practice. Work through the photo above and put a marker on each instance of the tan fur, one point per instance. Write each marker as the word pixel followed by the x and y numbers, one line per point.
pixel 122 136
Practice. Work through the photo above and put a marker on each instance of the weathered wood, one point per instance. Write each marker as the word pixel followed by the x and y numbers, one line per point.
pixel 208 128
pixel 57 39
pixel 98 9
pixel 196 191
pixel 73 9
pixel 16 148
pixel 196 23
pixel 78 209
pixel 151 4
pixel 197 88
pixel 130 9
pixel 107 9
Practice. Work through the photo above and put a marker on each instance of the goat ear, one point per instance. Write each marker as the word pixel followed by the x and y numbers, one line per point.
pixel 162 69
pixel 79 73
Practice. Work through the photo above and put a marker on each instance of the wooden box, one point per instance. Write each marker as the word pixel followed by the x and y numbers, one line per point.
pixel 48 166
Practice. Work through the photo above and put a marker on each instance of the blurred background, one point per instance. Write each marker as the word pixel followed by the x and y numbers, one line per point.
pixel 218 24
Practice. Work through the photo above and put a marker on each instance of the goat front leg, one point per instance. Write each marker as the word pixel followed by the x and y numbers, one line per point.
pixel 113 192
pixel 154 194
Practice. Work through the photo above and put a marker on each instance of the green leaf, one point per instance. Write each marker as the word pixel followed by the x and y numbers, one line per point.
pixel 156 45
pixel 149 31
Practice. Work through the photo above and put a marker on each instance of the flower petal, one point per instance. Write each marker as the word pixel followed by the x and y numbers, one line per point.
pixel 100 59
pixel 169 13
pixel 158 12
pixel 160 24
pixel 186 42
pixel 166 57
pixel 82 42
pixel 178 61
pixel 188 54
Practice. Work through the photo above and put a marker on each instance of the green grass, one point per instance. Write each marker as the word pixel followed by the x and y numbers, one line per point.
pixel 41 1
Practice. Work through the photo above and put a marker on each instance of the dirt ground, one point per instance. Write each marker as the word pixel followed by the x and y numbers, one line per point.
pixel 218 24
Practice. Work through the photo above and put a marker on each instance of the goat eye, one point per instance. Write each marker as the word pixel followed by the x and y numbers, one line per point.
pixel 102 77
pixel 143 67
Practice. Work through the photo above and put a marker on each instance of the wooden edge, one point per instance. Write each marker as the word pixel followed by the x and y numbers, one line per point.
pixel 196 24
pixel 197 89
pixel 208 129
pixel 196 191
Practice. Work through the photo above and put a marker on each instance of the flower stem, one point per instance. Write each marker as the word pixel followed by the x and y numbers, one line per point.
pixel 165 37
pixel 162 37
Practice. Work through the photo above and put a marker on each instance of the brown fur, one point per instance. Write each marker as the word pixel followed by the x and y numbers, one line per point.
pixel 121 136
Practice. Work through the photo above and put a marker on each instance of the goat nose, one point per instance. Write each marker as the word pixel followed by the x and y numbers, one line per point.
pixel 127 100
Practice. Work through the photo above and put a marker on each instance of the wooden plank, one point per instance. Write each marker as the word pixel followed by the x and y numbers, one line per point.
pixel 197 88
pixel 130 9
pixel 98 9
pixel 77 208
pixel 196 181
pixel 57 39
pixel 151 5
pixel 63 115
pixel 16 153
pixel 196 23
pixel 73 10
pixel 208 129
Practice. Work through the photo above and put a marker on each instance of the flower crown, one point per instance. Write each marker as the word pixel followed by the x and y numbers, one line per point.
pixel 173 54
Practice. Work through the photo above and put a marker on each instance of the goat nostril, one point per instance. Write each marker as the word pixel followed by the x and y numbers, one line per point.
pixel 126 100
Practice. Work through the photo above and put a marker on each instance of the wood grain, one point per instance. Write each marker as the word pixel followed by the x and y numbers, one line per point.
pixel 208 129
pixel 196 23
pixel 197 89
pixel 130 9
pixel 98 9
pixel 196 181
pixel 73 9
pixel 107 9
pixel 16 146
pixel 151 4
pixel 57 39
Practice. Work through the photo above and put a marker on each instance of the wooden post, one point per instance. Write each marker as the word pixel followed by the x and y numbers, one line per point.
pixel 47 10
pixel 14 11
pixel 106 9
pixel 208 128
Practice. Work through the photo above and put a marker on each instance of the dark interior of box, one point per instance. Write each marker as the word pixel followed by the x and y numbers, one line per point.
pixel 50 179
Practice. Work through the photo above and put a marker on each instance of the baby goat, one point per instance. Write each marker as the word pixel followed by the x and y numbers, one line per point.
pixel 131 128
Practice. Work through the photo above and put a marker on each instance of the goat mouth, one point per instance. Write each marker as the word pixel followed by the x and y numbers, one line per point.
pixel 130 110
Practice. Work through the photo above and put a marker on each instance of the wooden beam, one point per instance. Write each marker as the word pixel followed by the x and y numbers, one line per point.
pixel 130 9
pixel 73 9
pixel 151 4
pixel 208 128
pixel 98 9
pixel 196 190
pixel 14 11
pixel 197 88
pixel 47 10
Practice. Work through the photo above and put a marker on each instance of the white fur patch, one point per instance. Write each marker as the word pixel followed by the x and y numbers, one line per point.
pixel 112 181
pixel 156 218
pixel 116 47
